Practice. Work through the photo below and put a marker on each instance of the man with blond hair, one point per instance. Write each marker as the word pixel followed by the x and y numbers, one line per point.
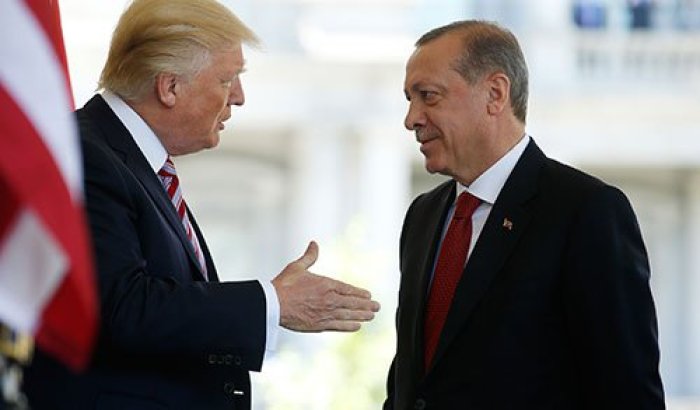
pixel 172 336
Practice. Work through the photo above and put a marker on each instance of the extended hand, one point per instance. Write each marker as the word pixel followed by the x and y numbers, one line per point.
pixel 313 303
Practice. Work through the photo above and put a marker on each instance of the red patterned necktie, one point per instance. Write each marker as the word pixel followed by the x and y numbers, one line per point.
pixel 448 271
pixel 171 183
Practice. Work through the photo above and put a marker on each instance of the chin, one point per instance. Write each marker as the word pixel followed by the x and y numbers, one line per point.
pixel 213 141
pixel 432 167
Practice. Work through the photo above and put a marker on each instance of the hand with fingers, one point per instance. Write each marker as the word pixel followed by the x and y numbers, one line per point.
pixel 314 303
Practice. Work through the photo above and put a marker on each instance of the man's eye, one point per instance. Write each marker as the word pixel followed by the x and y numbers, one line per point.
pixel 229 81
pixel 428 95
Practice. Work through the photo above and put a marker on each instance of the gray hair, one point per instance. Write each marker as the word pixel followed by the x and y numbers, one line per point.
pixel 488 48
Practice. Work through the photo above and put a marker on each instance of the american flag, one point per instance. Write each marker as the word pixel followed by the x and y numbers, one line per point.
pixel 47 285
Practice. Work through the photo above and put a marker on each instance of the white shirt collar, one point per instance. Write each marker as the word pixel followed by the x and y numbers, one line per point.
pixel 143 135
pixel 489 184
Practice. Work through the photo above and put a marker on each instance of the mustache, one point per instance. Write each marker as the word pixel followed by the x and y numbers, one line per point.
pixel 424 135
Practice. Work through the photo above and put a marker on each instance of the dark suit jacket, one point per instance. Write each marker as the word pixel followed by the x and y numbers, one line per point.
pixel 552 313
pixel 168 339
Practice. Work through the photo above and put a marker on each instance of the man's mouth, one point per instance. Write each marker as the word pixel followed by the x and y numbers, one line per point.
pixel 221 123
pixel 422 139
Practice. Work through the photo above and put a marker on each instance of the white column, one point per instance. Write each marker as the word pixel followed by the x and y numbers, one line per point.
pixel 351 188
pixel 384 195
pixel 691 310
pixel 316 190
pixel 658 205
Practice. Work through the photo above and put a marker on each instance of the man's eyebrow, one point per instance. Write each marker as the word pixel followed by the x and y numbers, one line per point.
pixel 243 68
pixel 417 86
pixel 413 88
pixel 438 87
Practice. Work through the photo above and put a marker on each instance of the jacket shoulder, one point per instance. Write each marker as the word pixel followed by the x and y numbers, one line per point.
pixel 571 181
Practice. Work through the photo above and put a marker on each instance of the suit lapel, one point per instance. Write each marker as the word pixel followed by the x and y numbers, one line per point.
pixel 504 226
pixel 416 267
pixel 121 141
pixel 433 220
pixel 151 183
pixel 212 276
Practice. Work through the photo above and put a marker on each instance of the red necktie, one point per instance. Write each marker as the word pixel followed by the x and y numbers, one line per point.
pixel 448 271
pixel 171 183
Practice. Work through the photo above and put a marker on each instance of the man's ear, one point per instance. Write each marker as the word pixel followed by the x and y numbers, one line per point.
pixel 167 88
pixel 499 92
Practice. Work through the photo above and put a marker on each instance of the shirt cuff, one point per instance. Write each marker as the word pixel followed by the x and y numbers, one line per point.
pixel 273 317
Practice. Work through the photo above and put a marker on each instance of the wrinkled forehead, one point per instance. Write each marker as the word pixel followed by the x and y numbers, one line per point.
pixel 430 60
pixel 439 53
pixel 229 56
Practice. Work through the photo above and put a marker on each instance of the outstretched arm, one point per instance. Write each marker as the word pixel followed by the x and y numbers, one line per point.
pixel 314 303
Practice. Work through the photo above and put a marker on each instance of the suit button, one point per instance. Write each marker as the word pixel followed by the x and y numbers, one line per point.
pixel 237 360
pixel 212 359
pixel 420 404
pixel 229 388
pixel 227 359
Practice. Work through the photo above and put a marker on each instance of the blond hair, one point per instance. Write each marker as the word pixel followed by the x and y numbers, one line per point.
pixel 174 36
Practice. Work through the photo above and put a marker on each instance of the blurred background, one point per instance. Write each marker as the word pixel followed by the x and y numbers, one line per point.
pixel 319 152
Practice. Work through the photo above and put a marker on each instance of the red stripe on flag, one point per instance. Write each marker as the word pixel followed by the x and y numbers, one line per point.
pixel 9 207
pixel 69 320
pixel 48 15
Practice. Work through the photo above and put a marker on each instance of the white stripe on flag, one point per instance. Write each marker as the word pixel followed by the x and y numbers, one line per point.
pixel 32 275
pixel 43 98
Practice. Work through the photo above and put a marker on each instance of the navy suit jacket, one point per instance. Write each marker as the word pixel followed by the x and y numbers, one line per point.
pixel 168 338
pixel 553 310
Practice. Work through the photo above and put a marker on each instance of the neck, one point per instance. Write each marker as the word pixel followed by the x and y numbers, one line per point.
pixel 152 115
pixel 504 136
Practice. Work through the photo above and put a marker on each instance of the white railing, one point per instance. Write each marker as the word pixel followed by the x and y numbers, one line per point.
pixel 672 56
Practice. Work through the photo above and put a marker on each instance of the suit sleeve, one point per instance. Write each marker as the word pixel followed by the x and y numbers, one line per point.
pixel 609 307
pixel 395 379
pixel 161 315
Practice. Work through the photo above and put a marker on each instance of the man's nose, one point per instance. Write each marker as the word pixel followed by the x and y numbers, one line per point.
pixel 236 95
pixel 415 118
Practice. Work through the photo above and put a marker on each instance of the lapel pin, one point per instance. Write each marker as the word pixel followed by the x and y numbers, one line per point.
pixel 507 224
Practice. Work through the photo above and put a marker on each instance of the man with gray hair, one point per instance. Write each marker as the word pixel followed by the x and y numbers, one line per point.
pixel 524 282
pixel 172 336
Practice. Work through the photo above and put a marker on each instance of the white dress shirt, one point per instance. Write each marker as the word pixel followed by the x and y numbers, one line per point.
pixel 486 187
pixel 155 154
